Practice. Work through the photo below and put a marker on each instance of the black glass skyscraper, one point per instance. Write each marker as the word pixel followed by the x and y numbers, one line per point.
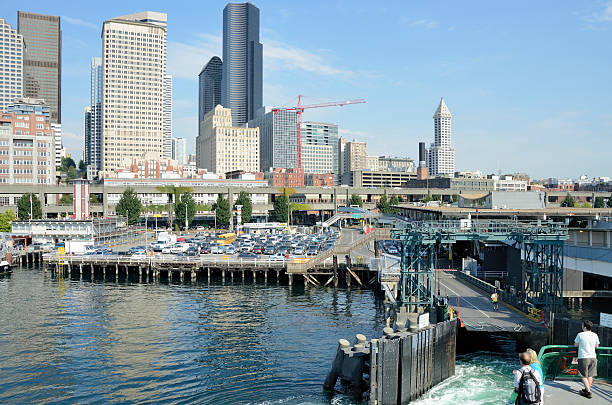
pixel 210 87
pixel 242 81
pixel 42 70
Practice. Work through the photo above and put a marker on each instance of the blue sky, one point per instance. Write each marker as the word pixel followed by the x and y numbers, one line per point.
pixel 528 83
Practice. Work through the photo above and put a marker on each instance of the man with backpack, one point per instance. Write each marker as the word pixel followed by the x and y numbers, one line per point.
pixel 527 383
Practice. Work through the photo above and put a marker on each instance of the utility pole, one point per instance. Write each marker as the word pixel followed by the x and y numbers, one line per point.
pixel 186 219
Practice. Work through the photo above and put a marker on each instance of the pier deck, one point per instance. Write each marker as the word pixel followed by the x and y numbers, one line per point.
pixel 567 392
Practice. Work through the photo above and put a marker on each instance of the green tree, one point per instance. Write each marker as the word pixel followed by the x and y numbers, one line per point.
pixel 23 207
pixel 129 206
pixel 393 200
pixel 383 205
pixel 356 200
pixel 66 163
pixel 222 210
pixel 610 202
pixel 71 173
pixel 93 199
pixel 586 205
pixel 568 201
pixel 6 218
pixel 186 201
pixel 599 202
pixel 82 167
pixel 281 207
pixel 173 193
pixel 427 199
pixel 66 199
pixel 454 198
pixel 244 199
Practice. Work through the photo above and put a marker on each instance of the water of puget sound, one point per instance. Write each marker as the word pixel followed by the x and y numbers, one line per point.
pixel 69 341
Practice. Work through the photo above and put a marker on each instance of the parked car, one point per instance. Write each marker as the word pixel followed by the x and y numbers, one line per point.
pixel 313 250
pixel 229 250
pixel 257 250
pixel 179 248
pixel 192 251
pixel 248 255
pixel 277 257
pixel 270 250
pixel 204 250
pixel 299 250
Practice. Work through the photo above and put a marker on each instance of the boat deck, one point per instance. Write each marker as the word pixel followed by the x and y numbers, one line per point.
pixel 568 392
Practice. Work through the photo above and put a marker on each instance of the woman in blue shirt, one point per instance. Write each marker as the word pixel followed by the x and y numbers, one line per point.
pixel 535 364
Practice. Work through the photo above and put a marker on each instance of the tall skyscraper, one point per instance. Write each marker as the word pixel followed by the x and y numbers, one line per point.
pixel 42 65
pixel 319 147
pixel 134 66
pixel 168 116
pixel 210 87
pixel 87 132
pixel 242 79
pixel 93 147
pixel 441 155
pixel 278 139
pixel 11 58
pixel 179 151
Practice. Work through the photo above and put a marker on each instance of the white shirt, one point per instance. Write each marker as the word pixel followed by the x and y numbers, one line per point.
pixel 586 344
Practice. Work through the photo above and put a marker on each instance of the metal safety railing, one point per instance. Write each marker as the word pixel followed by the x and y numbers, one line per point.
pixel 561 361
pixel 490 226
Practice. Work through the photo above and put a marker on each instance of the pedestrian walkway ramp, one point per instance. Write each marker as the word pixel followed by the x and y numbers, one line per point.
pixel 476 311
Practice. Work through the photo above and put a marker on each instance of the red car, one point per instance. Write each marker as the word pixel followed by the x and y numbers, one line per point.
pixel 257 250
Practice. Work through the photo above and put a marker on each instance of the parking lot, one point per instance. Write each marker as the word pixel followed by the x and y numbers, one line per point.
pixel 269 247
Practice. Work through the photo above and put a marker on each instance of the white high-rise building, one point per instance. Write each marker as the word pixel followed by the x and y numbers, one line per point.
pixel 441 155
pixel 60 152
pixel 134 70
pixel 222 148
pixel 168 117
pixel 11 60
pixel 179 150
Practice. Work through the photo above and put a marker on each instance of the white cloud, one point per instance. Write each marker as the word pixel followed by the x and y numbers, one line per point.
pixel 185 60
pixel 78 21
pixel 349 133
pixel 278 55
pixel 429 24
pixel 606 14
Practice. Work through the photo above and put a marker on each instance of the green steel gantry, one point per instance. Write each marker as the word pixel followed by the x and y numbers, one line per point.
pixel 541 244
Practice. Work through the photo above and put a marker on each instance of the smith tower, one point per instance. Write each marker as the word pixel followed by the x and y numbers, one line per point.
pixel 441 155
pixel 242 78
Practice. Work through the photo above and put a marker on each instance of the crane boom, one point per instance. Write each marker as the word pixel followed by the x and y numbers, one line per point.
pixel 299 109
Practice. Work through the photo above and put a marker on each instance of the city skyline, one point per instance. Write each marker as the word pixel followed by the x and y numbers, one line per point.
pixel 512 86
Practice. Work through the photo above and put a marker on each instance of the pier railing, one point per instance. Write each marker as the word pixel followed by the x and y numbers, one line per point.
pixel 169 261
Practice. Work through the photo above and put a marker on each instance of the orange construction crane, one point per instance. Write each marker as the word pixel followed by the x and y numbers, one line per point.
pixel 299 109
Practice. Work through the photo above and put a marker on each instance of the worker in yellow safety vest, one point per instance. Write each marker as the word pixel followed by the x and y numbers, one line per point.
pixel 494 299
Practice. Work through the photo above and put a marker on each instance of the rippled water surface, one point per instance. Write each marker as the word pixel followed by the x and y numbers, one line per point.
pixel 83 342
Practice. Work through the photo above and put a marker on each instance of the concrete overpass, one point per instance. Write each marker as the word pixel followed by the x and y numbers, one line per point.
pixel 318 198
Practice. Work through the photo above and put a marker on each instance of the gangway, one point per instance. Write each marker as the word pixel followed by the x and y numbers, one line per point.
pixel 541 242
